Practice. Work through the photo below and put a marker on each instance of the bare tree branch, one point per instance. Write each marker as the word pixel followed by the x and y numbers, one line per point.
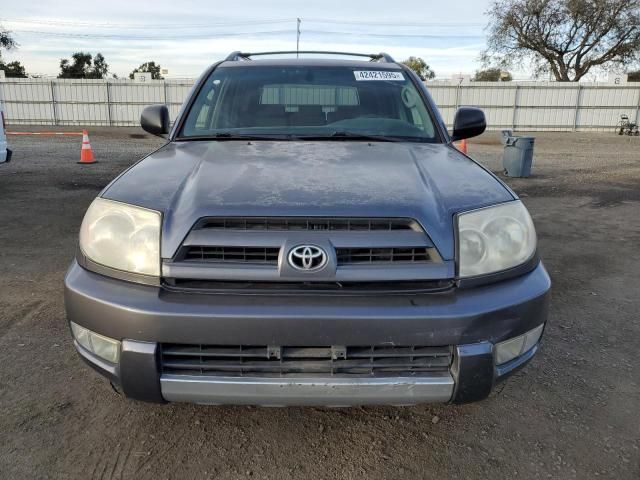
pixel 6 40
pixel 567 37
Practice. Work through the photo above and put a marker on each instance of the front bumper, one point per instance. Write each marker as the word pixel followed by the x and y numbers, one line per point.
pixel 143 317
pixel 336 392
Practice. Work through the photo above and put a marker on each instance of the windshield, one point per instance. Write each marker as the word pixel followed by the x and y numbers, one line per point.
pixel 309 101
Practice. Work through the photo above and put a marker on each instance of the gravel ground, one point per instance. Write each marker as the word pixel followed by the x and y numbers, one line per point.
pixel 574 412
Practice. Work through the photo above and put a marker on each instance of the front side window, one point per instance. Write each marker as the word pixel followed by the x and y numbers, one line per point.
pixel 309 101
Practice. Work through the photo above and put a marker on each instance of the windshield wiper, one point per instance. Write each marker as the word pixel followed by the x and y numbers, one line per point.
pixel 239 136
pixel 336 135
pixel 252 136
pixel 345 134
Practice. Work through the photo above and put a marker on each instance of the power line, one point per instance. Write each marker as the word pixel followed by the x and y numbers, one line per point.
pixel 114 36
pixel 146 26
pixel 392 35
pixel 155 37
pixel 394 24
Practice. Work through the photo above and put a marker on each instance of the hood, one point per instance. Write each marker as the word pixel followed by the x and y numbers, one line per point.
pixel 190 180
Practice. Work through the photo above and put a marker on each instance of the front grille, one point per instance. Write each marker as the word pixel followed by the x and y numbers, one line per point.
pixel 309 224
pixel 242 360
pixel 347 256
pixel 232 254
pixel 364 255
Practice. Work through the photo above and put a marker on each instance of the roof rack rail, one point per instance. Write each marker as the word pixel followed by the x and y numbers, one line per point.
pixel 374 57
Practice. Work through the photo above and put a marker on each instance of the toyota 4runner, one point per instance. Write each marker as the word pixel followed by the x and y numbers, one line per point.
pixel 308 235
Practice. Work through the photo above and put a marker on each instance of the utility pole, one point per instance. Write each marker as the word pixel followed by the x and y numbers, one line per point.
pixel 298 37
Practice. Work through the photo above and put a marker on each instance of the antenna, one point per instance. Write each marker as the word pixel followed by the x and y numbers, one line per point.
pixel 298 38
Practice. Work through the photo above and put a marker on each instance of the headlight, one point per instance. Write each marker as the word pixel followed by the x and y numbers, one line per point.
pixel 495 238
pixel 122 236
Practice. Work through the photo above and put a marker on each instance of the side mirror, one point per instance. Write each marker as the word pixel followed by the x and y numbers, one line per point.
pixel 468 122
pixel 155 119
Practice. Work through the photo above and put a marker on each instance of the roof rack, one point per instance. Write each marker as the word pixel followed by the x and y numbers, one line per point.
pixel 374 57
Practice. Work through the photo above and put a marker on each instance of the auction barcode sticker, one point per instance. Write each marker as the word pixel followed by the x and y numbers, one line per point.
pixel 364 75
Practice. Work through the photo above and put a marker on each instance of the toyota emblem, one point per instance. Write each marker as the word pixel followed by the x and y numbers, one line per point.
pixel 307 258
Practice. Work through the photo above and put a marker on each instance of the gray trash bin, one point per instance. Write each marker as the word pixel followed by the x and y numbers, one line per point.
pixel 518 156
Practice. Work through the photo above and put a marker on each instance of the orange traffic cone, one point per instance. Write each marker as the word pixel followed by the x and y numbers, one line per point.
pixel 86 154
pixel 463 146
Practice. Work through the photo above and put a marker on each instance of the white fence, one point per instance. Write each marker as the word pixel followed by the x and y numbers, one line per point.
pixel 542 105
pixel 30 101
pixel 519 106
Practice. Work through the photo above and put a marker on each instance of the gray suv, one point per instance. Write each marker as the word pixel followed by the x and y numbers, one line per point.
pixel 308 235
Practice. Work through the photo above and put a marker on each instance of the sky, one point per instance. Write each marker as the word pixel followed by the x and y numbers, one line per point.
pixel 187 36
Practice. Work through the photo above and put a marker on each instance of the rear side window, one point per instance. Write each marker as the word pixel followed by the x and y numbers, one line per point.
pixel 309 101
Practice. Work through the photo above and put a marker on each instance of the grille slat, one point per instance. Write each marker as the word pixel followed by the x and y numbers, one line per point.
pixel 198 351
pixel 269 255
pixel 314 361
pixel 366 288
pixel 232 254
pixel 348 256
pixel 309 224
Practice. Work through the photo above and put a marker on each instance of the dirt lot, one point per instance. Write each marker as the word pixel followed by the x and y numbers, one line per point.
pixel 572 413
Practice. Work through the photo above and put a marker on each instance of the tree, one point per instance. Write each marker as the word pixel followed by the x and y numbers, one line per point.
pixel 82 66
pixel 6 40
pixel 150 67
pixel 492 75
pixel 13 69
pixel 565 37
pixel 421 68
pixel 100 67
pixel 634 76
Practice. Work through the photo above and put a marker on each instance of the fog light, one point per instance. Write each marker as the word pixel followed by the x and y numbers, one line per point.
pixel 532 337
pixel 509 350
pixel 104 347
pixel 514 347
